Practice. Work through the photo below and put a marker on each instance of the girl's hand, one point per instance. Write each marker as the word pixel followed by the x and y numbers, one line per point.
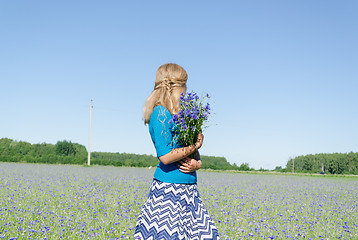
pixel 199 141
pixel 188 165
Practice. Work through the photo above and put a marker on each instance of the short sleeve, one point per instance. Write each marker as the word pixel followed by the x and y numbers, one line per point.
pixel 160 130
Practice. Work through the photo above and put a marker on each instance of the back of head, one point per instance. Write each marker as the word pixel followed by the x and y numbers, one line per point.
pixel 170 82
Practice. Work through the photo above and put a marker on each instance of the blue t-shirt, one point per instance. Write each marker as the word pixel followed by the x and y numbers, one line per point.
pixel 163 139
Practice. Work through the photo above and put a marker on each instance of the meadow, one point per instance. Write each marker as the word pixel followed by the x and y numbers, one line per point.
pixel 39 201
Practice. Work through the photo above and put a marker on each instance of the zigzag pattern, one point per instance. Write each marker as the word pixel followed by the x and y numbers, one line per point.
pixel 174 211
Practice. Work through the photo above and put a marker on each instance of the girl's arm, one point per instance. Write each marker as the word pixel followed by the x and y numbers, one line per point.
pixel 180 153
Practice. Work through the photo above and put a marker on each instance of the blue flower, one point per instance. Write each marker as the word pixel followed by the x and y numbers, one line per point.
pixel 193 115
pixel 207 108
pixel 175 118
pixel 190 118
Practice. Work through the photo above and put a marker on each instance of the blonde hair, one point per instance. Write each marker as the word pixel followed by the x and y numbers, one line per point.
pixel 170 82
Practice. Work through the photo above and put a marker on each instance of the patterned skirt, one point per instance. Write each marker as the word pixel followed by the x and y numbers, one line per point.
pixel 174 211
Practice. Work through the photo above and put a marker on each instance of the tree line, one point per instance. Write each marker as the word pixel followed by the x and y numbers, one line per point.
pixel 333 163
pixel 66 152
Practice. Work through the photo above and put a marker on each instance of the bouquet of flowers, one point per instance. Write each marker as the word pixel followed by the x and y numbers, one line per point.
pixel 191 118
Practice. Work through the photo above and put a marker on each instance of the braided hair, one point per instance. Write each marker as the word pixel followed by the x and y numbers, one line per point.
pixel 170 82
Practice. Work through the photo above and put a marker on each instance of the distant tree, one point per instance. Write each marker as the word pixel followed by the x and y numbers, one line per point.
pixel 335 166
pixel 65 148
pixel 307 163
pixel 244 167
pixel 278 169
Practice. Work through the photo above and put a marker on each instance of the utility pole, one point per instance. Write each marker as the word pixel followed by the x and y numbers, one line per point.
pixel 89 138
pixel 293 165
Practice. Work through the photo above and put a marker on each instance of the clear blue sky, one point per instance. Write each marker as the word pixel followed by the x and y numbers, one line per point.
pixel 283 74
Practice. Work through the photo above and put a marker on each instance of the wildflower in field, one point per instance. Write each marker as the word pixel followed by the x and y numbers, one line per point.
pixel 191 119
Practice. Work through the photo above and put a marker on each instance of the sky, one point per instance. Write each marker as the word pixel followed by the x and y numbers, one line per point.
pixel 282 75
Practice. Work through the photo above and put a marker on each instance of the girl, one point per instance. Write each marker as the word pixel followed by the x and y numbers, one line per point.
pixel 173 209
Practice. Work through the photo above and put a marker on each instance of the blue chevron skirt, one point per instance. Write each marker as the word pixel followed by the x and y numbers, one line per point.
pixel 174 211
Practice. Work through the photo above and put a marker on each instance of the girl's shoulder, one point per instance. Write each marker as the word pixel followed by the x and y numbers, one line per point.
pixel 160 110
pixel 160 115
pixel 160 118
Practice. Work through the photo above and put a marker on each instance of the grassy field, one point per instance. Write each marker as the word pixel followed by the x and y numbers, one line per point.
pixel 76 202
